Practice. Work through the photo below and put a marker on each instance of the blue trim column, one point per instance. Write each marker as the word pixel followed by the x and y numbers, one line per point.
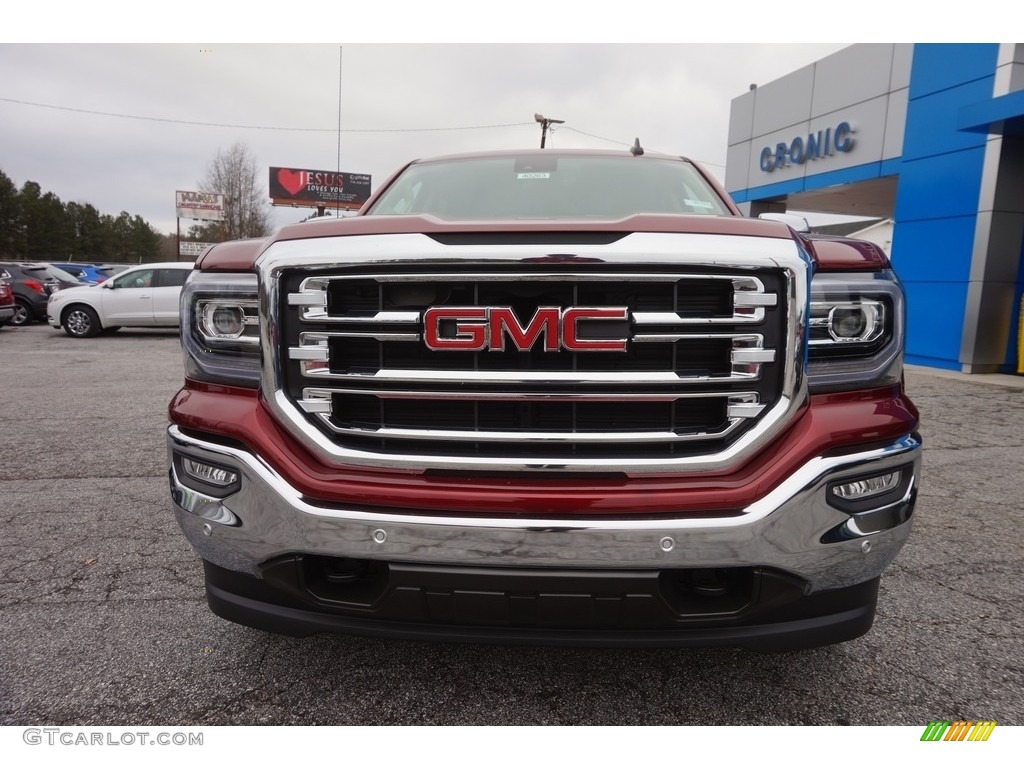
pixel 990 327
pixel 937 197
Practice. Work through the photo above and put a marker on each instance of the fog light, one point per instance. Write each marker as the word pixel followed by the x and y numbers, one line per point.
pixel 871 486
pixel 208 473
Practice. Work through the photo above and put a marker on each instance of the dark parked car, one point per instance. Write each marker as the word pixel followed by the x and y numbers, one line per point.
pixel 33 284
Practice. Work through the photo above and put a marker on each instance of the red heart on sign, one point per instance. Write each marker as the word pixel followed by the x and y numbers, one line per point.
pixel 293 181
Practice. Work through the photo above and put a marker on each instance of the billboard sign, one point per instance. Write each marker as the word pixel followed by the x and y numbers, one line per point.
pixel 199 205
pixel 319 189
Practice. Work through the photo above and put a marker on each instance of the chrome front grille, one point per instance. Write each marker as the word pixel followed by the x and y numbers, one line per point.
pixel 710 365
pixel 694 369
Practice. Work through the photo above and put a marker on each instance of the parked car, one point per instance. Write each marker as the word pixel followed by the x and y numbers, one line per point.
pixel 145 295
pixel 7 305
pixel 32 285
pixel 91 274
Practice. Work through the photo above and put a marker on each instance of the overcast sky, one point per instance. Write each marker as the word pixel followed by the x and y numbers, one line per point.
pixel 663 71
pixel 674 97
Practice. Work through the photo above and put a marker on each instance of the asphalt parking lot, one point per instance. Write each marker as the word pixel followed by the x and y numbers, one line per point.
pixel 105 621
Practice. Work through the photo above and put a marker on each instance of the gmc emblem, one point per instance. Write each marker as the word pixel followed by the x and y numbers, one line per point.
pixel 473 329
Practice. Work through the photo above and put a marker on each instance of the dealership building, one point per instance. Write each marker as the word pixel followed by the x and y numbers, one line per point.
pixel 929 135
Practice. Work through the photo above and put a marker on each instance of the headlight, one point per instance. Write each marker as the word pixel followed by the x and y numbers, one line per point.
pixel 855 330
pixel 220 331
pixel 848 325
pixel 853 322
pixel 228 319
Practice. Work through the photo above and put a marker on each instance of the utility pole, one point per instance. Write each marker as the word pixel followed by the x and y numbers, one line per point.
pixel 544 123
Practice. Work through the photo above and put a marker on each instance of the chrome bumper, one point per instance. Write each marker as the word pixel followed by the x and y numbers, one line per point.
pixel 785 529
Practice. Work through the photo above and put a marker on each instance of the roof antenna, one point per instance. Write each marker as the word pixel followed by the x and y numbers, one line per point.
pixel 636 150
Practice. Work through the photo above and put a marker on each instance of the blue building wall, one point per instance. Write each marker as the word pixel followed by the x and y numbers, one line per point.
pixel 937 195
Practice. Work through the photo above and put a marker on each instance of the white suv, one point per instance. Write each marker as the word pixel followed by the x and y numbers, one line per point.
pixel 145 295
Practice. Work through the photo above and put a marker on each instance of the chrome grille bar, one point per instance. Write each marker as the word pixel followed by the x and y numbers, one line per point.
pixel 746 357
pixel 527 436
pixel 580 378
pixel 749 298
pixel 739 407
pixel 314 396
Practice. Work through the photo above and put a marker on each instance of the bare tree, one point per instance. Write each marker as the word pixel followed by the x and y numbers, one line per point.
pixel 233 173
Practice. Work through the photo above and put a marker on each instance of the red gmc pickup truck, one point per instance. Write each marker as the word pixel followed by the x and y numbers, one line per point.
pixel 546 397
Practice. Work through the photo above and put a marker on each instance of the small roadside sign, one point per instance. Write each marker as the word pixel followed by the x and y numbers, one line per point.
pixel 192 249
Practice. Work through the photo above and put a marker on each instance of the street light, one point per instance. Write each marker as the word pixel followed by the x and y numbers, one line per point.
pixel 544 123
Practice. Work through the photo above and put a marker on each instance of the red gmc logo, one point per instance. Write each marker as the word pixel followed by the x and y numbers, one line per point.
pixel 474 329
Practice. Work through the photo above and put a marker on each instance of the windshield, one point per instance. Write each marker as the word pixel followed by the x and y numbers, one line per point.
pixel 549 186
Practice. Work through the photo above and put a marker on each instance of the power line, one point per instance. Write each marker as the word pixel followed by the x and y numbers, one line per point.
pixel 594 135
pixel 261 127
pixel 336 129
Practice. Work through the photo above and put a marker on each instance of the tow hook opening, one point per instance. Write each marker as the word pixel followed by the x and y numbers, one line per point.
pixel 708 591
